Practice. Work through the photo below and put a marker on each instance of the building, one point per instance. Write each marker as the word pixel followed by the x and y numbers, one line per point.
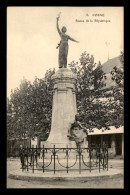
pixel 37 142
pixel 115 136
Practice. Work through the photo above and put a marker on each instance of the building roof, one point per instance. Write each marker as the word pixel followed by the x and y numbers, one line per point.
pixel 110 64
pixel 112 130
pixel 107 67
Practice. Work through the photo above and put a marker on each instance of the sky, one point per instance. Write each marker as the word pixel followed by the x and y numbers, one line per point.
pixel 32 38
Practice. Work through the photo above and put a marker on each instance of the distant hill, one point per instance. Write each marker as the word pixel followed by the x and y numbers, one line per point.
pixel 107 67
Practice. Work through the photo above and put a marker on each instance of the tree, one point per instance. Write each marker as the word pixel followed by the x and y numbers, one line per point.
pixel 118 91
pixel 95 104
pixel 29 108
pixel 118 73
pixel 90 79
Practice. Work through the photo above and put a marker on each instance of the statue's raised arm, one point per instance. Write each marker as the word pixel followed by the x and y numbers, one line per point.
pixel 57 25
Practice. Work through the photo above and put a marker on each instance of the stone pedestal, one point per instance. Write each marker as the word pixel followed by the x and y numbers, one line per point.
pixel 64 108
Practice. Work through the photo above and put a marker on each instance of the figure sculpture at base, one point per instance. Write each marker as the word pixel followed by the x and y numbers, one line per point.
pixel 78 133
pixel 63 45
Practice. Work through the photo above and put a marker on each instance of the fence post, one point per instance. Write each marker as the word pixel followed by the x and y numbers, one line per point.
pixel 67 158
pixel 103 154
pixel 33 158
pixel 27 158
pixel 107 157
pixel 54 158
pixel 96 155
pixel 99 158
pixel 22 159
pixel 79 160
pixel 43 158
pixel 90 156
pixel 36 156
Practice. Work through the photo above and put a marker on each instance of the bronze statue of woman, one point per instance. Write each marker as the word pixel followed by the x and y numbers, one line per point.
pixel 63 45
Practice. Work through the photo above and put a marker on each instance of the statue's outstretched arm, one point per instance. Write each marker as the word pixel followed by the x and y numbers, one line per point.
pixel 72 39
pixel 57 25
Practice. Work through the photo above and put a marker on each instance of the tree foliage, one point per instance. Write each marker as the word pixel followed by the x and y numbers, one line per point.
pixel 96 105
pixel 118 90
pixel 118 73
pixel 29 108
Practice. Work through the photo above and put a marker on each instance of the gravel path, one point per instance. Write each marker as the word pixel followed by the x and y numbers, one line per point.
pixel 100 183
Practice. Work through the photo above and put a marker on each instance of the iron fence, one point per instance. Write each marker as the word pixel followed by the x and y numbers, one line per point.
pixel 55 159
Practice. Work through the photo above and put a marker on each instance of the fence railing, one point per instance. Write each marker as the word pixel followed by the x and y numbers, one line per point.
pixel 55 159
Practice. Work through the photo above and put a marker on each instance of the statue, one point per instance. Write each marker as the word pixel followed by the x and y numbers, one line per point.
pixel 78 133
pixel 63 45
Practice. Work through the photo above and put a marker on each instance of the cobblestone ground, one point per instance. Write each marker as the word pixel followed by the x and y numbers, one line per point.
pixel 102 183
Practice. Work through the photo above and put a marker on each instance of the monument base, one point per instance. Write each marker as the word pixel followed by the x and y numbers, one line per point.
pixel 64 108
pixel 62 164
pixel 69 144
